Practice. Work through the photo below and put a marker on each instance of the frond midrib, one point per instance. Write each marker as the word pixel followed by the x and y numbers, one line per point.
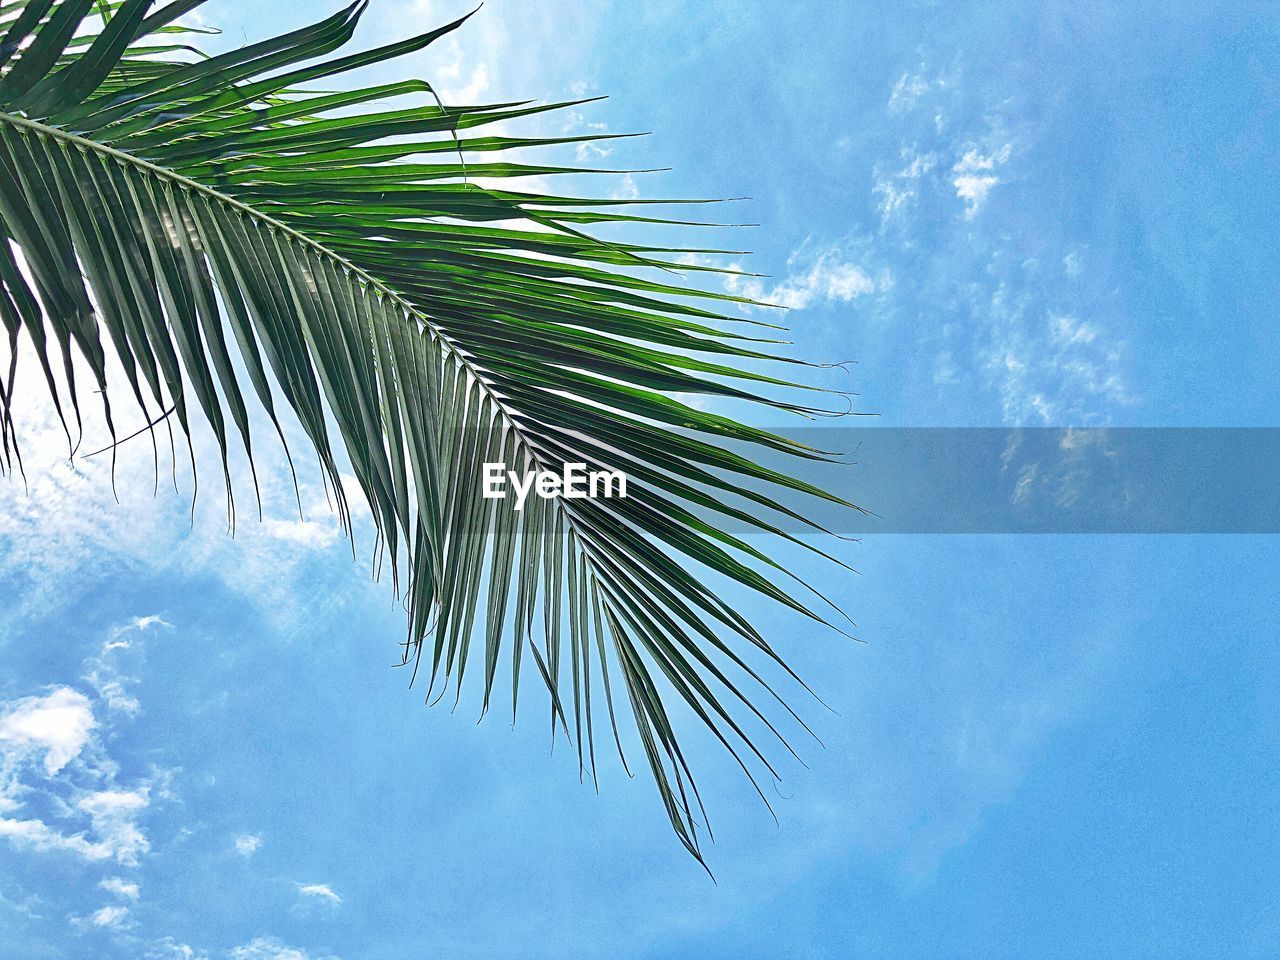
pixel 434 329
pixel 528 447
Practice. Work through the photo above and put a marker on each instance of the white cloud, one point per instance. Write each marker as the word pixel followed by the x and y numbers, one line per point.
pixel 915 87
pixel 973 190
pixel 111 916
pixel 473 90
pixel 974 176
pixel 120 639
pixel 1045 347
pixel 897 190
pixel 1048 366
pixel 627 189
pixel 113 815
pixel 1026 480
pixel 247 844
pixel 578 125
pixel 23 907
pixel 456 71
pixel 944 369
pixel 67 524
pixel 907 91
pixel 1020 399
pixel 149 621
pixel 120 887
pixel 39 836
pixel 270 948
pixel 170 949
pixel 84 810
pixel 319 891
pixel 827 276
pixel 827 280
pixel 314 534
pixel 114 691
pixel 194 19
pixel 59 724
pixel 105 672
pixel 1068 330
pixel 935 161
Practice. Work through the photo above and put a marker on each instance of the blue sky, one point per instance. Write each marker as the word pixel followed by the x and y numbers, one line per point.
pixel 1037 213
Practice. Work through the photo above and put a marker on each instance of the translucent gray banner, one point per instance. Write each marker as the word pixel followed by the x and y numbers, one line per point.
pixel 948 480
pixel 1042 480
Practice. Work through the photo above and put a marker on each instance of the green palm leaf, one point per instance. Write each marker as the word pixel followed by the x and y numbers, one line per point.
pixel 240 240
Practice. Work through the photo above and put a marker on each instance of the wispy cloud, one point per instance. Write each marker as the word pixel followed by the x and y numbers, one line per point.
pixel 576 123
pixel 627 188
pixel 925 91
pixel 974 176
pixel 167 948
pixel 1036 340
pixel 460 69
pixel 36 835
pixel 907 92
pixel 106 673
pixel 121 888
pixel 149 621
pixel 66 523
pixel 114 818
pixel 270 948
pixel 60 790
pixel 113 833
pixel 914 86
pixel 898 188
pixel 815 276
pixel 247 844
pixel 110 916
pixel 319 891
pixel 1048 366
pixel 314 534
pixel 967 162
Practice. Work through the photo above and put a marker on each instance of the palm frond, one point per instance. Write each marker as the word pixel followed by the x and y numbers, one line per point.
pixel 241 239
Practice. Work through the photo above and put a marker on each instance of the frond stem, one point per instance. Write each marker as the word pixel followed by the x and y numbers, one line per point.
pixel 84 143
